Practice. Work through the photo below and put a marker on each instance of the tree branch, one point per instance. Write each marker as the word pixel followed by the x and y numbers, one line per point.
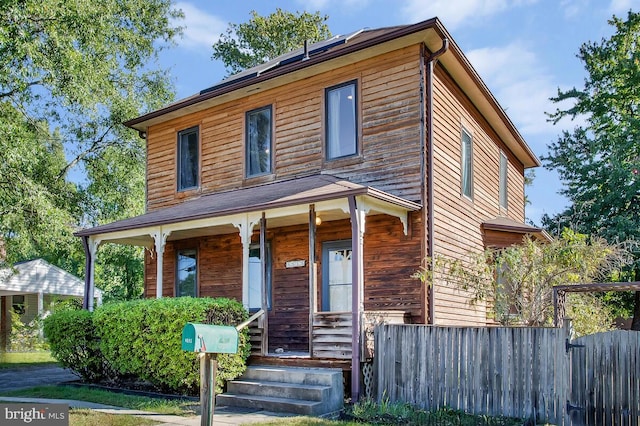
pixel 95 146
pixel 18 90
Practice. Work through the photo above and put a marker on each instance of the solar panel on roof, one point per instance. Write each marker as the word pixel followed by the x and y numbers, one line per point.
pixel 287 58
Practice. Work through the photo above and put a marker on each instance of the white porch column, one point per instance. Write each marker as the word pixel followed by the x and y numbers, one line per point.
pixel 357 214
pixel 40 303
pixel 245 226
pixel 160 239
pixel 40 310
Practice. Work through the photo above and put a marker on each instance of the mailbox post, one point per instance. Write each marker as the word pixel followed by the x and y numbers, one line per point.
pixel 209 340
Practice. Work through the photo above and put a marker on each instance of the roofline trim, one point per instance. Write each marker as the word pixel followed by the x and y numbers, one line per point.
pixel 288 68
pixel 365 191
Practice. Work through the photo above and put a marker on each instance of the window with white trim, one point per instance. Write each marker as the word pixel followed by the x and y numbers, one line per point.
pixel 341 121
pixel 258 141
pixel 467 164
pixel 503 180
pixel 188 158
pixel 187 273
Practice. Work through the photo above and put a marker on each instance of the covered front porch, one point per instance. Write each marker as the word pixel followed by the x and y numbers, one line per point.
pixel 308 291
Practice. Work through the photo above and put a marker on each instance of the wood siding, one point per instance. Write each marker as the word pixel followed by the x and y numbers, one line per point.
pixel 390 259
pixel 389 117
pixel 457 219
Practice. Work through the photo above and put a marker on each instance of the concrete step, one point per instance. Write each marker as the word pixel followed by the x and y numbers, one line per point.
pixel 272 403
pixel 310 376
pixel 282 389
pixel 308 391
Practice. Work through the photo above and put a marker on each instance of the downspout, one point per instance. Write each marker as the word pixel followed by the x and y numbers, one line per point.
pixel 430 62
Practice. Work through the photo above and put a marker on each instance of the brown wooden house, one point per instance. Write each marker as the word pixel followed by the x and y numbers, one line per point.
pixel 313 186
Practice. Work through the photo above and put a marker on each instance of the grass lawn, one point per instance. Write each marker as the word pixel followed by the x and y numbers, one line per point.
pixel 363 414
pixel 93 418
pixel 24 359
pixel 162 406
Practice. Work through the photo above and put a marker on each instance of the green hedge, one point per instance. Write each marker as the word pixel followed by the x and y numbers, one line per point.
pixel 74 343
pixel 142 339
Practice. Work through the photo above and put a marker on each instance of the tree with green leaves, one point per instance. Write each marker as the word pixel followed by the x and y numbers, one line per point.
pixel 37 206
pixel 266 37
pixel 70 73
pixel 517 282
pixel 599 161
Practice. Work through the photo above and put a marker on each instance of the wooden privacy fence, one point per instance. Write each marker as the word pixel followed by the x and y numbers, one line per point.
pixel 533 373
pixel 605 379
pixel 516 372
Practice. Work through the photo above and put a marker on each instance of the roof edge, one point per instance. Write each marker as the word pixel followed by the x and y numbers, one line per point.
pixel 286 69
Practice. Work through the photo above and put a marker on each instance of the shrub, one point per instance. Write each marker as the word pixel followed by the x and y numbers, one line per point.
pixel 143 338
pixel 73 341
pixel 26 337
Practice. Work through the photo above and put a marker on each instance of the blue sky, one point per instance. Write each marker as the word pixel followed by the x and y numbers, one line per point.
pixel 524 50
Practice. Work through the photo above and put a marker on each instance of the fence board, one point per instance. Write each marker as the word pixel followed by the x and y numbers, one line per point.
pixel 495 371
pixel 605 385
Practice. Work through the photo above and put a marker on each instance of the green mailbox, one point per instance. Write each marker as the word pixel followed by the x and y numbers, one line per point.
pixel 209 338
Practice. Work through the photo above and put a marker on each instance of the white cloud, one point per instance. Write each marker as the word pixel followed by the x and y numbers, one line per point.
pixel 323 5
pixel 515 75
pixel 572 9
pixel 315 4
pixel 454 13
pixel 621 7
pixel 201 29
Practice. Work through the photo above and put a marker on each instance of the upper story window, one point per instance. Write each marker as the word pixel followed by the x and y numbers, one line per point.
pixel 188 159
pixel 503 180
pixel 467 164
pixel 186 273
pixel 258 141
pixel 341 125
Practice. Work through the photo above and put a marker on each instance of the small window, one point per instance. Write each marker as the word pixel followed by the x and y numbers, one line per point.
pixel 188 159
pixel 17 304
pixel 341 125
pixel 255 277
pixel 187 273
pixel 503 181
pixel 467 164
pixel 258 141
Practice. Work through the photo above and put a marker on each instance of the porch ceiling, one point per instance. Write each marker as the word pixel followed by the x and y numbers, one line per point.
pixel 284 202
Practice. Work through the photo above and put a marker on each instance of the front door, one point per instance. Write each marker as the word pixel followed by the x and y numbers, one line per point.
pixel 336 276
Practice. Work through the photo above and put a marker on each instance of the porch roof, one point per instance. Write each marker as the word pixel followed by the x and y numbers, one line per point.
pixel 505 224
pixel 287 193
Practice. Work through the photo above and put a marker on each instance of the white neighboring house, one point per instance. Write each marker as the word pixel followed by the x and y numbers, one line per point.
pixel 31 286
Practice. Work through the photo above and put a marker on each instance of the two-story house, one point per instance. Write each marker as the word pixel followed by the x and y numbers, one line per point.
pixel 313 186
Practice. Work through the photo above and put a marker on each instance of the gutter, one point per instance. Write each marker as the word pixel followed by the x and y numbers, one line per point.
pixel 430 62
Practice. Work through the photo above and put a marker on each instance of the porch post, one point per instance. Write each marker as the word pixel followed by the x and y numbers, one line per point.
pixel 87 272
pixel 5 324
pixel 263 284
pixel 245 227
pixel 40 303
pixel 40 310
pixel 312 273
pixel 357 288
pixel 160 239
pixel 90 249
